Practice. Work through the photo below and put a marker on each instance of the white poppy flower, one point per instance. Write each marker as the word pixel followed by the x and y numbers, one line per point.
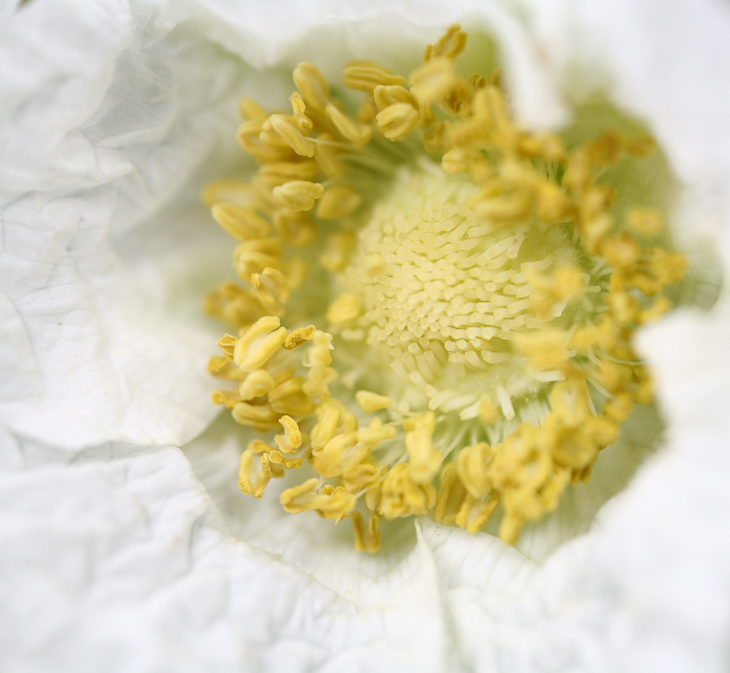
pixel 120 551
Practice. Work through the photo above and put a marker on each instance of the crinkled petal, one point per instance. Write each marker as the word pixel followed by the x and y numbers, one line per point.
pixel 107 121
pixel 119 562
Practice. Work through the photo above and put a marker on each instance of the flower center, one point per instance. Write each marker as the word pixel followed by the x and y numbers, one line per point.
pixel 444 295
pixel 479 286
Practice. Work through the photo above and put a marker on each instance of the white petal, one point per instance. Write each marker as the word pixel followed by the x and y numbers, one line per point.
pixel 100 131
pixel 118 561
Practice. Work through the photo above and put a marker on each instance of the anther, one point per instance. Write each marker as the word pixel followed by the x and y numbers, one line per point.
pixel 358 134
pixel 299 108
pixel 291 440
pixel 251 477
pixel 241 223
pixel 371 402
pixel 312 85
pixel 251 110
pixel 450 45
pixel 273 281
pixel 292 135
pixel 338 201
pixel 343 309
pixel 299 336
pixel 450 497
pixel 259 343
pixel 472 468
pixel 299 195
pixel 257 384
pixel 432 80
pixel 366 538
pixel 279 172
pixel 397 120
pixel 295 228
pixel 366 75
pixel 259 416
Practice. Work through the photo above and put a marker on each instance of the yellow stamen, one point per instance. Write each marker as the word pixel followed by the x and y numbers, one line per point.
pixel 257 384
pixel 272 281
pixel 375 433
pixel 361 476
pixel 450 45
pixel 366 75
pixel 341 453
pixel 241 223
pixel 337 202
pixel 299 336
pixel 291 440
pixel 401 496
pixel 450 498
pixel 295 228
pixel 251 110
pixel 249 138
pixel 424 459
pixel 279 172
pixel 370 402
pixel 397 120
pixel 432 80
pixel 251 477
pixel 259 416
pixel 290 133
pixel 344 308
pixel 366 538
pixel 235 192
pixel 335 504
pixel 287 463
pixel 313 86
pixel 259 343
pixel 299 108
pixel 299 195
pixel 358 134
pixel 472 468
pixel 474 513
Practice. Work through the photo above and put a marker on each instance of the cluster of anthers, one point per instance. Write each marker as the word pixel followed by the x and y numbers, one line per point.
pixel 480 289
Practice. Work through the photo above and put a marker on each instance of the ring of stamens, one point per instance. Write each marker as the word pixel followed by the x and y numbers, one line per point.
pixel 475 278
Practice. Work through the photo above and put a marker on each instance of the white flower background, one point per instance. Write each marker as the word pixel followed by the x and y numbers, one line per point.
pixel 120 550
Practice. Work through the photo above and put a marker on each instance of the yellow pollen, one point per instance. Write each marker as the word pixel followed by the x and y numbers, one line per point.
pixel 484 279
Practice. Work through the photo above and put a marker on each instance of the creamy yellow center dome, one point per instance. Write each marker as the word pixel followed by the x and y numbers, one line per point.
pixel 444 295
